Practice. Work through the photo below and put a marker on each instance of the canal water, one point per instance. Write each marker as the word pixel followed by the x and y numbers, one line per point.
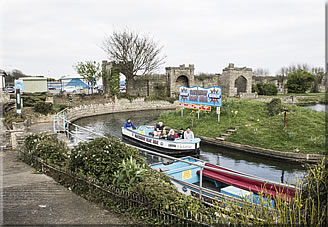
pixel 317 107
pixel 271 169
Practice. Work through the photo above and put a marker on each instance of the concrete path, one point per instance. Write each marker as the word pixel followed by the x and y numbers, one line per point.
pixel 30 198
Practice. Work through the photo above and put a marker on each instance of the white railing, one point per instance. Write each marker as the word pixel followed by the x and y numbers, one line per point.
pixel 62 124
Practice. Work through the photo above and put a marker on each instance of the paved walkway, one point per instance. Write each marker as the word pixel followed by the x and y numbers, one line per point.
pixel 31 198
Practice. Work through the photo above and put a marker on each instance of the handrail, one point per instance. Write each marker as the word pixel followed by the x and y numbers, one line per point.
pixel 265 181
pixel 211 168
pixel 60 112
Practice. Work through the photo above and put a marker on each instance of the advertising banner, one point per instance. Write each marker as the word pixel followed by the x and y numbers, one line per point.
pixel 195 107
pixel 211 96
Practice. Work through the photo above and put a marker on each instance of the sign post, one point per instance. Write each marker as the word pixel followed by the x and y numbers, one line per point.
pixel 218 111
pixel 18 102
pixel 200 98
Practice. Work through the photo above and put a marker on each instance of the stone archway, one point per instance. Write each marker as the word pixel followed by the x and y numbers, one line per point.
pixel 241 85
pixel 182 81
pixel 179 76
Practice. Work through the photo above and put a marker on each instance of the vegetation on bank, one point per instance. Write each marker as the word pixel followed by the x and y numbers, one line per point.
pixel 305 131
pixel 109 163
pixel 307 98
pixel 266 89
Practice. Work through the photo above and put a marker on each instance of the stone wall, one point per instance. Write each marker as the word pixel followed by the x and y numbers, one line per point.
pixel 81 99
pixel 278 81
pixel 120 105
pixel 233 81
pixel 4 97
pixel 236 80
pixel 149 85
pixel 180 76
pixel 207 80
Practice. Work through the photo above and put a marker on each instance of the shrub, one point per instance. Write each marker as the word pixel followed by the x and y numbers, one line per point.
pixel 43 108
pixel 274 107
pixel 30 99
pixel 130 172
pixel 11 117
pixel 101 158
pixel 299 81
pixel 58 107
pixel 265 89
pixel 47 147
pixel 159 191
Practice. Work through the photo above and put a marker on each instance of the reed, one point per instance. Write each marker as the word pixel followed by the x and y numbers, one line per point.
pixel 308 207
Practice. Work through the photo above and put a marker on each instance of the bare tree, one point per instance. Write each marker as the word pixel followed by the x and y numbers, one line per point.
pixel 284 71
pixel 135 54
pixel 261 72
pixel 317 70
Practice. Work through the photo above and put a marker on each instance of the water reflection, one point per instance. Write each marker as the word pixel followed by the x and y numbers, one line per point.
pixel 317 107
pixel 272 169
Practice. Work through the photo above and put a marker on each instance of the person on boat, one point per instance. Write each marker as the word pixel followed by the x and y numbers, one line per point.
pixel 157 134
pixel 188 134
pixel 181 133
pixel 165 131
pixel 129 125
pixel 172 135
pixel 159 127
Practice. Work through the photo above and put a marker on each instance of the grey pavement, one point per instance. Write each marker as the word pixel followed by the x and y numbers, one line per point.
pixel 31 198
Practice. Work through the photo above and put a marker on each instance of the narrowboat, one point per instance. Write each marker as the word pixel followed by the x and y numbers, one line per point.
pixel 143 137
pixel 219 184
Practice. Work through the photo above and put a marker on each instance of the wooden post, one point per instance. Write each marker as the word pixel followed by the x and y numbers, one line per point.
pixel 200 183
pixel 198 113
pixel 285 120
pixel 182 112
pixel 218 111
pixel 54 123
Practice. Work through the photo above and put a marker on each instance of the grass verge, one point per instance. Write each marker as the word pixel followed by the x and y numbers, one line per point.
pixel 305 127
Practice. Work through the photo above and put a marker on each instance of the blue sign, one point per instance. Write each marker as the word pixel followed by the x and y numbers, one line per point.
pixel 211 96
pixel 19 85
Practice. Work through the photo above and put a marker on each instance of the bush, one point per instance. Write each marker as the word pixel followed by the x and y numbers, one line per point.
pixel 265 89
pixel 43 108
pixel 274 107
pixel 159 191
pixel 299 81
pixel 101 158
pixel 130 172
pixel 58 107
pixel 11 117
pixel 47 147
pixel 30 99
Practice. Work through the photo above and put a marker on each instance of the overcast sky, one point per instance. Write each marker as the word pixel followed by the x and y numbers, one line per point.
pixel 47 37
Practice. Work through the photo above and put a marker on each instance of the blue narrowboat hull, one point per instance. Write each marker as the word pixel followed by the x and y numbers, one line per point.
pixel 188 177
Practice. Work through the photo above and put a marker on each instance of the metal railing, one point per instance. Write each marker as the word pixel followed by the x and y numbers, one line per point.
pixel 113 197
pixel 61 120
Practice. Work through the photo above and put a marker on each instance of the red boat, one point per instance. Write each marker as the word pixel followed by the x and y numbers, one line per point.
pixel 185 174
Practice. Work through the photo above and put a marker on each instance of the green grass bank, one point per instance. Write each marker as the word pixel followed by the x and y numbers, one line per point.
pixel 305 127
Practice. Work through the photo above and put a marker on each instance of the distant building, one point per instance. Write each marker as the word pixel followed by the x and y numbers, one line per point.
pixel 2 80
pixel 74 85
pixel 34 84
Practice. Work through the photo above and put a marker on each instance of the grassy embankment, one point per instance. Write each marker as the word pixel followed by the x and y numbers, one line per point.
pixel 305 128
pixel 308 97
